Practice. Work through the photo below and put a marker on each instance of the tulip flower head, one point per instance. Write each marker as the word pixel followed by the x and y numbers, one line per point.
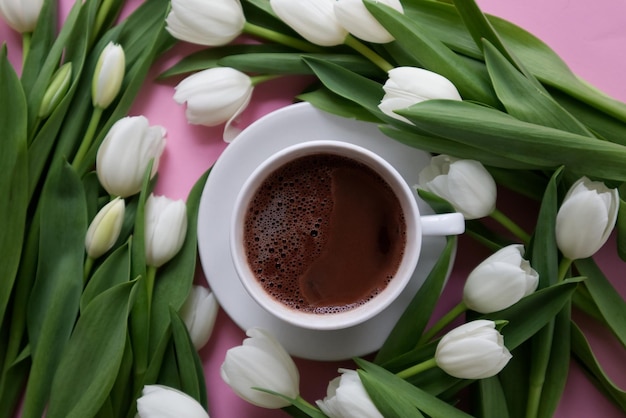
pixel 474 350
pixel 165 229
pixel 105 228
pixel 214 96
pixel 205 22
pixel 466 184
pixel 407 86
pixel 108 76
pixel 21 15
pixel 58 87
pixel 314 20
pixel 500 281
pixel 159 401
pixel 261 362
pixel 586 218
pixel 346 398
pixel 125 153
pixel 199 313
pixel 356 19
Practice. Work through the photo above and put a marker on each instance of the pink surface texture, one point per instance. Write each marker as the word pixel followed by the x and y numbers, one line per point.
pixel 589 36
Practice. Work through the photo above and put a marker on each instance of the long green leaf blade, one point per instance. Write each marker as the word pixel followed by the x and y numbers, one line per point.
pixel 93 355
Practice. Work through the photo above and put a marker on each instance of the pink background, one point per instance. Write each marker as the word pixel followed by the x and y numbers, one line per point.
pixel 590 36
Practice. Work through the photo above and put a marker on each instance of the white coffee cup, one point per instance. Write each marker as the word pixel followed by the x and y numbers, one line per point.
pixel 417 226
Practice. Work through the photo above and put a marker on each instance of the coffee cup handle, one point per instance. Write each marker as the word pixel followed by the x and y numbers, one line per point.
pixel 443 224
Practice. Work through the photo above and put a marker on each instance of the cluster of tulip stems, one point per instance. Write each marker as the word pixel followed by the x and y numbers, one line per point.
pixel 483 111
pixel 442 77
pixel 97 300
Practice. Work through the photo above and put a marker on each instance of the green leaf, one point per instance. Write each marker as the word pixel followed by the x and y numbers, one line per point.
pixel 544 254
pixel 14 179
pixel 620 227
pixel 208 58
pixel 498 132
pixel 349 85
pixel 607 299
pixel 583 352
pixel 434 55
pixel 394 397
pixel 189 364
pixel 293 63
pixel 492 402
pixel 55 297
pixel 531 184
pixel 93 355
pixel 524 98
pixel 329 102
pixel 438 145
pixel 514 381
pixel 113 271
pixel 411 325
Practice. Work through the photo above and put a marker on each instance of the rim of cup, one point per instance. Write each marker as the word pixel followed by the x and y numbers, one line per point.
pixel 356 315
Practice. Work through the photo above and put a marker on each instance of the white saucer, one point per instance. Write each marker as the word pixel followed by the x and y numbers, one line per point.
pixel 287 126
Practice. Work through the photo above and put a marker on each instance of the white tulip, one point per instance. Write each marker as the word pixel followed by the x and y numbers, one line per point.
pixel 346 398
pixel 105 228
pixel 205 22
pixel 199 313
pixel 356 19
pixel 108 75
pixel 586 218
pixel 165 229
pixel 164 402
pixel 21 15
pixel 407 86
pixel 261 362
pixel 55 93
pixel 125 153
pixel 474 350
pixel 466 184
pixel 314 20
pixel 214 96
pixel 500 281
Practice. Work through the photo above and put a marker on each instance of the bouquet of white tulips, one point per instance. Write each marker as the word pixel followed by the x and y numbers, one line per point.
pixel 496 107
pixel 96 269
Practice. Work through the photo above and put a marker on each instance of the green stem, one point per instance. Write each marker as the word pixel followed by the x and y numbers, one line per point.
pixel 564 266
pixel 150 277
pixel 88 138
pixel 506 222
pixel 442 323
pixel 103 12
pixel 418 368
pixel 258 79
pixel 87 269
pixel 280 38
pixel 26 41
pixel 364 50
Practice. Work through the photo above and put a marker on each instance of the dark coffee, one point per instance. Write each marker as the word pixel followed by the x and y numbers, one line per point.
pixel 324 233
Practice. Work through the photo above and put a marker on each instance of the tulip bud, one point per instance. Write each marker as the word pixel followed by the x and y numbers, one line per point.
pixel 407 86
pixel 125 153
pixel 314 20
pixel 205 22
pixel 261 362
pixel 105 228
pixel 56 90
pixel 164 402
pixel 586 218
pixel 21 15
pixel 214 96
pixel 108 76
pixel 466 184
pixel 356 19
pixel 165 229
pixel 199 312
pixel 500 281
pixel 474 350
pixel 346 398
